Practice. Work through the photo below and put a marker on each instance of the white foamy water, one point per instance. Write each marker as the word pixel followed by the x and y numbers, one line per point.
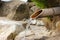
pixel 8 26
pixel 4 22
pixel 27 28
pixel 24 0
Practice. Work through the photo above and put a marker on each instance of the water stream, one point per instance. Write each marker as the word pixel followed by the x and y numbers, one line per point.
pixel 27 28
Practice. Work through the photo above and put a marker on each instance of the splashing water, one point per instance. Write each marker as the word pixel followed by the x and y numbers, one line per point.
pixel 24 0
pixel 27 28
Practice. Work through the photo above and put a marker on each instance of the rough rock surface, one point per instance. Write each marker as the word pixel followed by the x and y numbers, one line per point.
pixel 14 9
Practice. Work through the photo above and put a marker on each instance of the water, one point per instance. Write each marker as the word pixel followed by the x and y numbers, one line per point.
pixel 27 28
pixel 38 31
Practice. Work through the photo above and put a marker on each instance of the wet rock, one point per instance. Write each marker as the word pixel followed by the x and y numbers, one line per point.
pixel 21 35
pixel 40 23
pixel 33 22
pixel 54 38
pixel 36 32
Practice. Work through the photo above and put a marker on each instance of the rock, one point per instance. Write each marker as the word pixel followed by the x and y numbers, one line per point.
pixel 33 22
pixel 36 32
pixel 17 11
pixel 21 35
pixel 9 29
pixel 22 12
pixel 40 23
pixel 48 23
pixel 54 38
pixel 1 9
pixel 58 26
pixel 37 22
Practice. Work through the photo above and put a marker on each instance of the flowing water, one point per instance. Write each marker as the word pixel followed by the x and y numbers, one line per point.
pixel 27 28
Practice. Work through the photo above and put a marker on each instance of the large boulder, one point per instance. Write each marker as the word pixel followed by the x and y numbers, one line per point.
pixel 15 9
pixel 22 12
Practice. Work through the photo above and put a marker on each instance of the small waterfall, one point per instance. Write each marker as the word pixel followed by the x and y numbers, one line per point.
pixel 27 28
